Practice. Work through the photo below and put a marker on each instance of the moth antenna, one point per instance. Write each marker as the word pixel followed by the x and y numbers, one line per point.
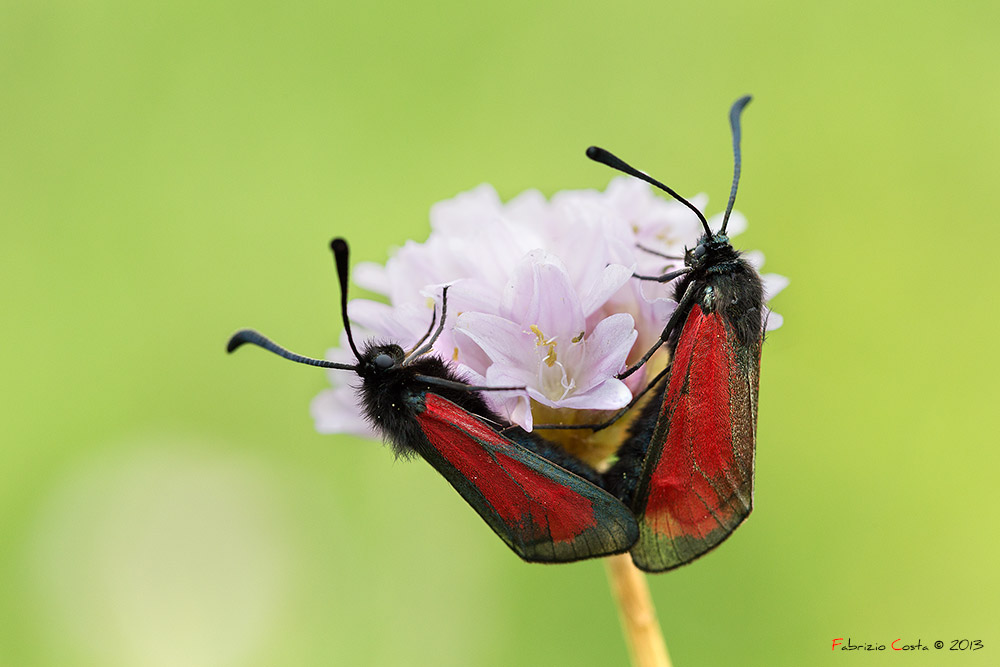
pixel 734 123
pixel 341 254
pixel 423 349
pixel 427 333
pixel 604 157
pixel 244 336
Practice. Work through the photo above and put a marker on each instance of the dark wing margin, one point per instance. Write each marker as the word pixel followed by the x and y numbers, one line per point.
pixel 542 511
pixel 696 484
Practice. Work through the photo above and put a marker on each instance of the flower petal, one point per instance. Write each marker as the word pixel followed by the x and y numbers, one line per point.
pixel 503 341
pixel 609 395
pixel 608 345
pixel 773 285
pixel 373 277
pixel 540 293
pixel 737 223
pixel 338 411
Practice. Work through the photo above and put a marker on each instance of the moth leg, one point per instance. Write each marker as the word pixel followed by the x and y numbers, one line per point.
pixel 676 319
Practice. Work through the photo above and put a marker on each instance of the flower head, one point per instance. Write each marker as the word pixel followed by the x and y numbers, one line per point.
pixel 543 293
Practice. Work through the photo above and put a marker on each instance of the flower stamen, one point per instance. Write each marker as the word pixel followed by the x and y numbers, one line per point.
pixel 550 358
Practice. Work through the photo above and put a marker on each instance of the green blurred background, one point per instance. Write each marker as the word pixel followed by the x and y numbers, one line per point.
pixel 173 170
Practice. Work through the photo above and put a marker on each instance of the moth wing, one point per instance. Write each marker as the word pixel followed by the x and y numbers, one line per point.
pixel 542 511
pixel 696 484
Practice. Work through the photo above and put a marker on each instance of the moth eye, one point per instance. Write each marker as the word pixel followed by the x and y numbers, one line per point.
pixel 384 361
pixel 699 251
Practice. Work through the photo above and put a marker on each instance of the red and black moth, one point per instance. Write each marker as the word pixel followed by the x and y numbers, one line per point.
pixel 686 467
pixel 544 504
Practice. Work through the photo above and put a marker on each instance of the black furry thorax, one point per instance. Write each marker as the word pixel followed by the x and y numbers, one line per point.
pixel 392 393
pixel 724 282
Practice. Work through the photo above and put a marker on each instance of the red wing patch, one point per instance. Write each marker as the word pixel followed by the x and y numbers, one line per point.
pixel 542 511
pixel 697 479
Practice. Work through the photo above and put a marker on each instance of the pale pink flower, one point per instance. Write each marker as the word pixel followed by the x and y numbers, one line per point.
pixel 541 295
